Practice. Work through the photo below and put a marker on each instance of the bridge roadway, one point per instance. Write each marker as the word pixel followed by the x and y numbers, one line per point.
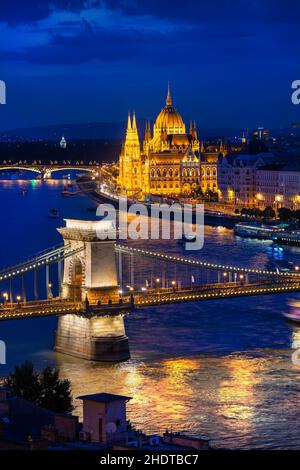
pixel 48 168
pixel 214 292
pixel 57 306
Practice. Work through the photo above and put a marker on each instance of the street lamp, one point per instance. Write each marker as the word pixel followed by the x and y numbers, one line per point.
pixel 5 296
pixel 50 295
pixel 131 295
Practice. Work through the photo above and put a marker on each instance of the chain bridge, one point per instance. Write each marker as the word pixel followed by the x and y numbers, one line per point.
pixel 90 282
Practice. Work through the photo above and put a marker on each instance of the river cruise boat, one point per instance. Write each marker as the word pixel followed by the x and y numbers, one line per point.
pixel 287 237
pixel 293 314
pixel 257 230
pixel 189 238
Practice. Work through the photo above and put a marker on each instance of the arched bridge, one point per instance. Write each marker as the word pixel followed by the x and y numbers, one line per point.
pixel 46 170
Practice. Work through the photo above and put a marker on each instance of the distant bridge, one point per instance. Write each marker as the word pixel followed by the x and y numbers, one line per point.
pixel 46 170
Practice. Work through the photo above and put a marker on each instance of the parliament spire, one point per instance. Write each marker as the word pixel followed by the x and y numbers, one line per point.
pixel 169 99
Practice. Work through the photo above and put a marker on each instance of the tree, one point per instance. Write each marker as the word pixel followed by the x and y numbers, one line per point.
pixel 24 382
pixel 45 389
pixel 285 213
pixel 56 393
pixel 257 212
pixel 198 192
pixel 244 211
pixel 269 213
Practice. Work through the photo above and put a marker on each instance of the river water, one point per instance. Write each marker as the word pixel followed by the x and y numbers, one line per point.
pixel 220 369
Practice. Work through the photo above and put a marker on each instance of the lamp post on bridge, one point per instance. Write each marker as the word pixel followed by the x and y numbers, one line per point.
pixel 5 297
pixel 157 280
pixel 120 296
pixel 49 291
pixel 131 290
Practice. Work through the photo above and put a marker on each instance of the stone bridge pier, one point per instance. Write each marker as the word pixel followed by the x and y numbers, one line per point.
pixel 91 275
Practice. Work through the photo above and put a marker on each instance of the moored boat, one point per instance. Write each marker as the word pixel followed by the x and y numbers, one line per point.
pixel 287 238
pixel 189 238
pixel 257 230
pixel 53 213
pixel 293 315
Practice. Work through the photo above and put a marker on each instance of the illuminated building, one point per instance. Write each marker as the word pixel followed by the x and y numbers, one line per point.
pixel 63 143
pixel 278 186
pixel 171 161
pixel 261 133
pixel 256 181
pixel 237 178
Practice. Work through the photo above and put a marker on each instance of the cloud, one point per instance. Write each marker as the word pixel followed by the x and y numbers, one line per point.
pixel 211 10
pixel 156 32
pixel 29 11
pixel 16 12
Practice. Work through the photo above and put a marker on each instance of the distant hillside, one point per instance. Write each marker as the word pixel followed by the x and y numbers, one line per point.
pixel 105 150
pixel 93 130
pixel 96 131
pixel 113 130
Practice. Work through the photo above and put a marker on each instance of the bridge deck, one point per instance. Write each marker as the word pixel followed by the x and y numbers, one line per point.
pixel 57 307
pixel 155 297
pixel 213 293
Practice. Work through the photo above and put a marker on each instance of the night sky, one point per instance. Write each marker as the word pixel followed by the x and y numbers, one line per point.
pixel 230 63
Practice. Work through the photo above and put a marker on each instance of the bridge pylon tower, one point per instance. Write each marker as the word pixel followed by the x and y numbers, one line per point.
pixel 90 276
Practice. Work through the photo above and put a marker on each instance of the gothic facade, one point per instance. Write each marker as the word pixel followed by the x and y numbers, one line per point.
pixel 170 162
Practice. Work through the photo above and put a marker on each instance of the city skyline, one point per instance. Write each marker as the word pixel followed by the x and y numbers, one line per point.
pixel 92 62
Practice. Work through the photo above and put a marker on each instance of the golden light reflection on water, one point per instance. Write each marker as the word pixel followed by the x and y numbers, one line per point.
pixel 295 339
pixel 224 398
pixel 238 395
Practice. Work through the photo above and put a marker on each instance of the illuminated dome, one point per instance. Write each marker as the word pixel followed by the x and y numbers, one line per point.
pixel 169 120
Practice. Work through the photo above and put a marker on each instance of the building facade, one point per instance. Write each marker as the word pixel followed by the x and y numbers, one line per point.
pixel 170 162
pixel 236 179
pixel 256 181
pixel 278 186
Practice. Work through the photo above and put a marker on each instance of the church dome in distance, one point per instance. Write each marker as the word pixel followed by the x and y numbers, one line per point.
pixel 169 119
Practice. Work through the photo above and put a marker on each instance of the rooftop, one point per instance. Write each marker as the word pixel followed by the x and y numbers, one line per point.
pixel 104 397
pixel 281 167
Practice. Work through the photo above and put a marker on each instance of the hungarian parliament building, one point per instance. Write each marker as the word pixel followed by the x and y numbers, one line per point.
pixel 170 161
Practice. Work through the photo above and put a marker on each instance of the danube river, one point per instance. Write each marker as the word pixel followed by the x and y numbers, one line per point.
pixel 218 369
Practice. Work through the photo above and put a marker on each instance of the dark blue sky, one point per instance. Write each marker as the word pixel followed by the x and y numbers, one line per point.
pixel 230 63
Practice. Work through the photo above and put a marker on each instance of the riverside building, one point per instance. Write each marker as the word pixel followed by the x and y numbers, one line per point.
pixel 171 160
